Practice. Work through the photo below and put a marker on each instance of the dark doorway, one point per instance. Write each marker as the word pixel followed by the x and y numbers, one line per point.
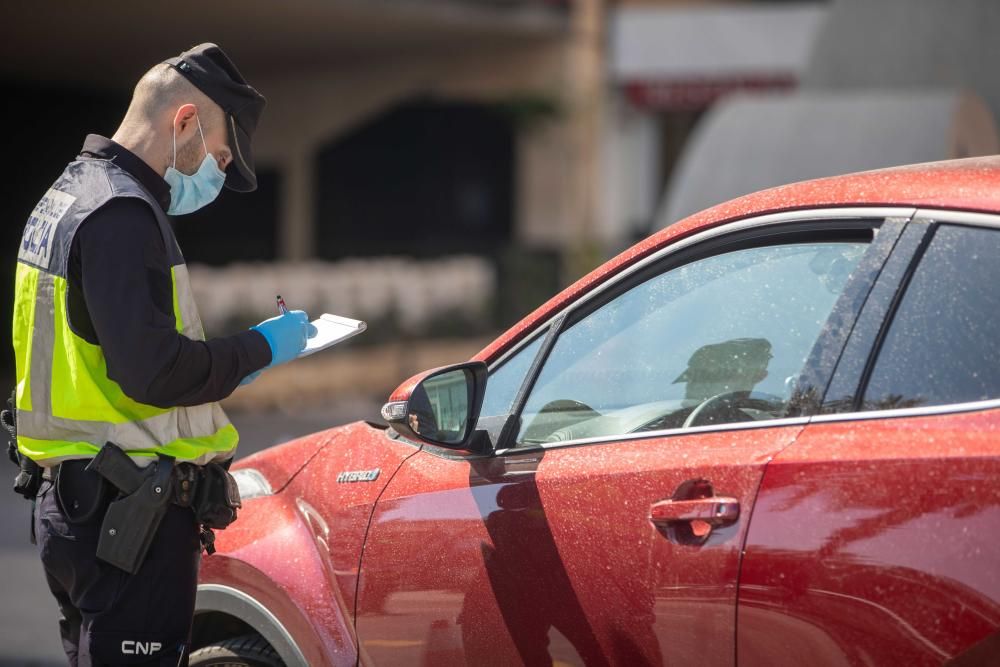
pixel 45 129
pixel 425 178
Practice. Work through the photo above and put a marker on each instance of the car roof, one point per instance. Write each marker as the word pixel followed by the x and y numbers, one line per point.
pixel 971 184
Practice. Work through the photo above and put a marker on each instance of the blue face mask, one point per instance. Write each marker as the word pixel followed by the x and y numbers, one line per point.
pixel 189 192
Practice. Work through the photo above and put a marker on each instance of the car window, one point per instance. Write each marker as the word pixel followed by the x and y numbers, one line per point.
pixel 942 345
pixel 718 340
pixel 505 380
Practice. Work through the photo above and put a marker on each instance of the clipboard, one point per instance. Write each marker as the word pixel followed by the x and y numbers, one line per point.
pixel 330 330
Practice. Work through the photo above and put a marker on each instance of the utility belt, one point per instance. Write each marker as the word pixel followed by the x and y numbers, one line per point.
pixel 142 496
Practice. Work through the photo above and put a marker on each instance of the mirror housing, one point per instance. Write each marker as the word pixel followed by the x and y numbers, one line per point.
pixel 440 406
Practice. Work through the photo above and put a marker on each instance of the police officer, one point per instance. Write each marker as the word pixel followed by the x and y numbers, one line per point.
pixel 109 349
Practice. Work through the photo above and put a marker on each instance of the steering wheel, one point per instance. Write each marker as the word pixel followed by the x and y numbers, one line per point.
pixel 735 399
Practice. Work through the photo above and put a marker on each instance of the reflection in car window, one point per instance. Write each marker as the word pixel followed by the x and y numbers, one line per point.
pixel 503 383
pixel 942 345
pixel 715 341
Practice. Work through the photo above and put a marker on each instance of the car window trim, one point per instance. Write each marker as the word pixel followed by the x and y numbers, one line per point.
pixel 952 217
pixel 784 234
pixel 897 413
pixel 924 215
pixel 665 433
pixel 810 215
pixel 838 221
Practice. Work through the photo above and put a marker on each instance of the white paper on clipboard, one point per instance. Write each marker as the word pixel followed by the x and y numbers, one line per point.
pixel 330 330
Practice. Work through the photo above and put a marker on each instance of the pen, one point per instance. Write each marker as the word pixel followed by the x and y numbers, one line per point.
pixel 282 308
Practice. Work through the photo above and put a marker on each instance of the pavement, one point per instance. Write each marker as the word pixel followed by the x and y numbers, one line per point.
pixel 29 634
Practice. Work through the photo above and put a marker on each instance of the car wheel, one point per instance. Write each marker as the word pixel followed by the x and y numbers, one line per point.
pixel 243 651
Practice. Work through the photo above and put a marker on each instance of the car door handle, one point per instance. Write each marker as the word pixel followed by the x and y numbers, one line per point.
pixel 715 511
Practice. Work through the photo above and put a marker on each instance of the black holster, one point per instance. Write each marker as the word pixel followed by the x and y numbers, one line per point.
pixel 132 520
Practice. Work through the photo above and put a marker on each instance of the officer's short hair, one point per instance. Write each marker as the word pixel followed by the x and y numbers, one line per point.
pixel 162 88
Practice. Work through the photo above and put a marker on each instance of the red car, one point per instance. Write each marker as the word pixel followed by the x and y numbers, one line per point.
pixel 767 435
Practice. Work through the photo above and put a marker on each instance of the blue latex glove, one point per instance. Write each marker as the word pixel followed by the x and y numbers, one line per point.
pixel 286 334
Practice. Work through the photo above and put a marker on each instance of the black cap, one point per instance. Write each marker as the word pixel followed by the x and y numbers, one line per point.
pixel 211 70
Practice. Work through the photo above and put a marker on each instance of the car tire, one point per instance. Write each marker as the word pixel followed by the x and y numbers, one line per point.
pixel 243 651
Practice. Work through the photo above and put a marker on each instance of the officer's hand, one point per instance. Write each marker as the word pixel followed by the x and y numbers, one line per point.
pixel 286 334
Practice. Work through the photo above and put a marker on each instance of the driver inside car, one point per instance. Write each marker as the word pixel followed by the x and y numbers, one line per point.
pixel 720 378
pixel 736 365
pixel 732 367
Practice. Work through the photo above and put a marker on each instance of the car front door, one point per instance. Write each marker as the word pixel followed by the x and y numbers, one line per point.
pixel 608 524
pixel 875 536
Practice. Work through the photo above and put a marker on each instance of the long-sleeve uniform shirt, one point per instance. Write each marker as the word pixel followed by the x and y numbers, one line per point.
pixel 121 298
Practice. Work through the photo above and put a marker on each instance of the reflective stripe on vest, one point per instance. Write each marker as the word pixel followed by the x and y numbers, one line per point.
pixel 67 406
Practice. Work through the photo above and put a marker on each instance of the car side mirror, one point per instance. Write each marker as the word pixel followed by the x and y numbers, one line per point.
pixel 440 406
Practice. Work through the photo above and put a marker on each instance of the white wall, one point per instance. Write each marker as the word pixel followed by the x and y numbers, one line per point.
pixel 631 169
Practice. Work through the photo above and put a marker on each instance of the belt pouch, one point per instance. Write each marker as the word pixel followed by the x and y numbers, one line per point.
pixel 218 497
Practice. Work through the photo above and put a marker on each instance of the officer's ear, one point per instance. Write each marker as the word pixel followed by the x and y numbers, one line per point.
pixel 184 119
